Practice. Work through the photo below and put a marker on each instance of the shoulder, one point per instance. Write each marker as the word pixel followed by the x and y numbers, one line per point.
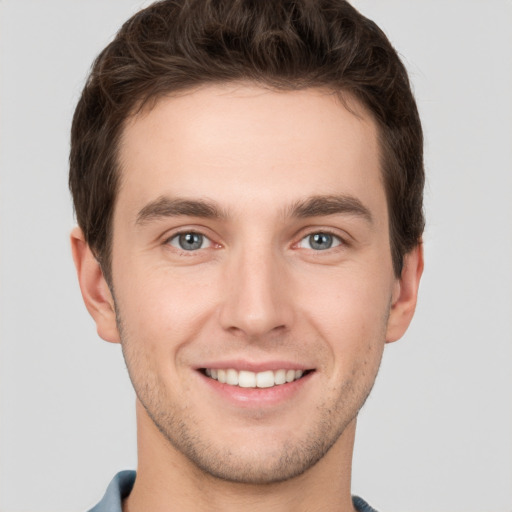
pixel 122 484
pixel 118 489
pixel 361 505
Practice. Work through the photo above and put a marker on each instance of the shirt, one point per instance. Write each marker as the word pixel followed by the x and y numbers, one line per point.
pixel 122 484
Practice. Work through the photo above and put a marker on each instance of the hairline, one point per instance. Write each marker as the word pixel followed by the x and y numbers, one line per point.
pixel 349 99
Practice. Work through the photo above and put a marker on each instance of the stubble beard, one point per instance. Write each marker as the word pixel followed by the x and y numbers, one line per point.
pixel 179 426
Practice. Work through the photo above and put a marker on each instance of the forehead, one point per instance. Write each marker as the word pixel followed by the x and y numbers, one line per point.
pixel 243 144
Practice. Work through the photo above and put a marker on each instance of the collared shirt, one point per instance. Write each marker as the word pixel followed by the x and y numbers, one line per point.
pixel 122 484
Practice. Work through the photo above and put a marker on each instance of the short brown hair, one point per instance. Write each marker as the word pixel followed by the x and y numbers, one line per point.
pixel 175 45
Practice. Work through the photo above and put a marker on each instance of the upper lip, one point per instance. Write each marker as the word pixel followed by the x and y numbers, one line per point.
pixel 254 366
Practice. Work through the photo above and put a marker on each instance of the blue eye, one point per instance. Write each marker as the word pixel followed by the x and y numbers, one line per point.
pixel 190 241
pixel 320 241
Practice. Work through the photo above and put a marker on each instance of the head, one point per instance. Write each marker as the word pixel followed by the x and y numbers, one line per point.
pixel 172 47
pixel 247 178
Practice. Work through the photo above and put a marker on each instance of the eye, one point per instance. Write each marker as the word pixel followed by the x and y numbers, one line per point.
pixel 189 241
pixel 320 241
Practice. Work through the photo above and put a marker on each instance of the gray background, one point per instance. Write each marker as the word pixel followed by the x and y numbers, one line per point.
pixel 435 436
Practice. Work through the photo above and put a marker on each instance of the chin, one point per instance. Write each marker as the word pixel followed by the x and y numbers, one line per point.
pixel 251 465
pixel 269 456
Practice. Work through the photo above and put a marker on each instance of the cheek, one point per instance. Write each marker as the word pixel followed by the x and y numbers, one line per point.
pixel 348 309
pixel 160 305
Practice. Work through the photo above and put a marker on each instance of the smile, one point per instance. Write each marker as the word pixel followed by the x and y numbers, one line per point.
pixel 247 379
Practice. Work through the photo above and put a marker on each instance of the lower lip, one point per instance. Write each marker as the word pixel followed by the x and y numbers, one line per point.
pixel 257 397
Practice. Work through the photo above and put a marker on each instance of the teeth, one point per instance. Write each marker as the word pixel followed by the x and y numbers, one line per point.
pixel 232 377
pixel 280 377
pixel 246 379
pixel 265 379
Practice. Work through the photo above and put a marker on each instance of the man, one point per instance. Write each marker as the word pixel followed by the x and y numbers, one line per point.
pixel 247 179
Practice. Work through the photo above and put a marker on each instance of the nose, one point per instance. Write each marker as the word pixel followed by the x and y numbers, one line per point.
pixel 257 298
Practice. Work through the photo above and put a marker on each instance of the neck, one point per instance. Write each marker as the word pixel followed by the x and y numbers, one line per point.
pixel 167 480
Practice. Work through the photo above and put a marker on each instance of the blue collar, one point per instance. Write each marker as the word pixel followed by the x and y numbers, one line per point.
pixel 118 489
pixel 122 484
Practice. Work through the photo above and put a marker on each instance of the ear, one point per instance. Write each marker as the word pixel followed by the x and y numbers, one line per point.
pixel 405 295
pixel 95 291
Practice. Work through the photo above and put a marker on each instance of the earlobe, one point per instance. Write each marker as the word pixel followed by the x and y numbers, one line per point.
pixel 95 291
pixel 405 295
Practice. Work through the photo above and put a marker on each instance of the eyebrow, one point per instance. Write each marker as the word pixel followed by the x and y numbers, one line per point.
pixel 315 206
pixel 172 207
pixel 319 206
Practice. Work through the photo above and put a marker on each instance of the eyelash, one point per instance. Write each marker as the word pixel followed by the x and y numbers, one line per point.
pixel 176 236
pixel 338 240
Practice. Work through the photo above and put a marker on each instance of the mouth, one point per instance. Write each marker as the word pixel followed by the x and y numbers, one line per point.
pixel 248 379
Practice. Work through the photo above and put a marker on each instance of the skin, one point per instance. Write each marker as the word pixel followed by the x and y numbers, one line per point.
pixel 255 294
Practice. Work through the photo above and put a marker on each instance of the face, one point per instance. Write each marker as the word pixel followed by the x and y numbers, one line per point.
pixel 252 274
